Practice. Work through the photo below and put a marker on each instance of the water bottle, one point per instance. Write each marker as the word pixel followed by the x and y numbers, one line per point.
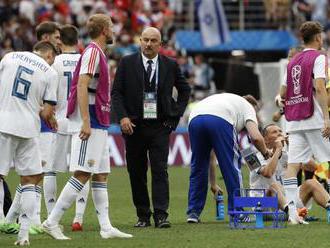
pixel 220 208
pixel 328 215
pixel 259 217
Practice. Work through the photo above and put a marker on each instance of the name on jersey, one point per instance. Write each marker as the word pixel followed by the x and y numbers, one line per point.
pixel 30 61
pixel 70 62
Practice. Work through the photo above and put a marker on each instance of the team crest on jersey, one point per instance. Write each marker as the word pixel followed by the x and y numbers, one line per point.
pixel 91 162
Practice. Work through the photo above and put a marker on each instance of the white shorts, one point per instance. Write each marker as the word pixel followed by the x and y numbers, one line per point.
pixel 22 153
pixel 91 155
pixel 299 202
pixel 304 144
pixel 62 151
pixel 47 145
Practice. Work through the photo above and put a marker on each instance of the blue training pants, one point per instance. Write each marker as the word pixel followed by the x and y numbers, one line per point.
pixel 208 132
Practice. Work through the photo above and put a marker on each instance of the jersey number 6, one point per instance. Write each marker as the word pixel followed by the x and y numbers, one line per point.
pixel 21 86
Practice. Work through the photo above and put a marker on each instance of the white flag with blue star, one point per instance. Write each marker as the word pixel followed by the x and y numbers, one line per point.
pixel 213 23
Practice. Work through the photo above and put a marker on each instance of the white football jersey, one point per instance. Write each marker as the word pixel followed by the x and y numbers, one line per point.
pixel 257 181
pixel 26 81
pixel 64 64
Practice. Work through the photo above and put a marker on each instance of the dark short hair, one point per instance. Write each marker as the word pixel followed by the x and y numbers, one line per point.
pixel 46 28
pixel 96 23
pixel 69 35
pixel 44 46
pixel 309 29
pixel 251 100
pixel 264 130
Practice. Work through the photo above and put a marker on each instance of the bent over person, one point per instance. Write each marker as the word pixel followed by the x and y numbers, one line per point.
pixel 214 124
pixel 142 100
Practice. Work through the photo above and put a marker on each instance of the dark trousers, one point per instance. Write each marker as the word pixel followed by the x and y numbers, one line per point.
pixel 149 140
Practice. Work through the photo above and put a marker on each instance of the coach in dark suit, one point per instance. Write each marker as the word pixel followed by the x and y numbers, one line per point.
pixel 142 101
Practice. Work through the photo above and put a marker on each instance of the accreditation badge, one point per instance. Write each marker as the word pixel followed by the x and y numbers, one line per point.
pixel 150 105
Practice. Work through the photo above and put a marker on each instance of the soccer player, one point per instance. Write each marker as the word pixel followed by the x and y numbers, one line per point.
pixel 25 85
pixel 305 109
pixel 88 113
pixel 64 65
pixel 270 175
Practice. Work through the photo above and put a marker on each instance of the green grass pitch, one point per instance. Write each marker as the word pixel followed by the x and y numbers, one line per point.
pixel 210 233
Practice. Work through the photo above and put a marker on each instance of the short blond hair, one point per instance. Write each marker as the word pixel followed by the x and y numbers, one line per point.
pixel 96 24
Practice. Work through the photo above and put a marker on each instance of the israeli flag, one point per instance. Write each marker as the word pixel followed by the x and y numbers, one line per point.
pixel 212 22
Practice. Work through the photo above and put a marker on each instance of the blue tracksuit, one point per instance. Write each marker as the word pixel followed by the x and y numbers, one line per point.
pixel 209 132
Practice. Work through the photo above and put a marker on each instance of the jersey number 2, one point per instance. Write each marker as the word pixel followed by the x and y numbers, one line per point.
pixel 21 86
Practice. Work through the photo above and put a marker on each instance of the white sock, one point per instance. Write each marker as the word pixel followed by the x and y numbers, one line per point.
pixel 50 191
pixel 2 198
pixel 28 210
pixel 37 220
pixel 14 210
pixel 81 202
pixel 290 188
pixel 101 204
pixel 67 196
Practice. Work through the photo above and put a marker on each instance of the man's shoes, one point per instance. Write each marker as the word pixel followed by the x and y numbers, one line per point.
pixel 10 228
pixel 142 223
pixel 22 242
pixel 311 218
pixel 76 227
pixel 54 231
pixel 114 233
pixel 162 222
pixel 193 218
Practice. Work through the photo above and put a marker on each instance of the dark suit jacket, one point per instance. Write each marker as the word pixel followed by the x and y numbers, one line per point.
pixel 128 88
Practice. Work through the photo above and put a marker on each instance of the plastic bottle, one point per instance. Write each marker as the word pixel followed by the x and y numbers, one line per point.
pixel 220 208
pixel 259 216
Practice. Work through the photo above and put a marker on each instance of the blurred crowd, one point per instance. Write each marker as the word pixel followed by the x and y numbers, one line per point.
pixel 18 19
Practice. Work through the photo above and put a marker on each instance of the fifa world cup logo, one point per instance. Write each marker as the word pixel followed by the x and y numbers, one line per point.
pixel 296 73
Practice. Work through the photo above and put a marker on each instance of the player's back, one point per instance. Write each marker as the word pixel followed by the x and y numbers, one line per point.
pixel 25 81
pixel 64 64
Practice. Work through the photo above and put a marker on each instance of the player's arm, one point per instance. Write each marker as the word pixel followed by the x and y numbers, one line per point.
pixel 215 188
pixel 47 112
pixel 89 63
pixel 321 92
pixel 322 98
pixel 269 168
pixel 82 95
pixel 283 91
pixel 257 138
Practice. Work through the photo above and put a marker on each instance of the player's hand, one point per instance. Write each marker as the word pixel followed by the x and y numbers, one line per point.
pixel 85 131
pixel 52 123
pixel 280 142
pixel 326 129
pixel 279 101
pixel 215 189
pixel 268 154
pixel 127 126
